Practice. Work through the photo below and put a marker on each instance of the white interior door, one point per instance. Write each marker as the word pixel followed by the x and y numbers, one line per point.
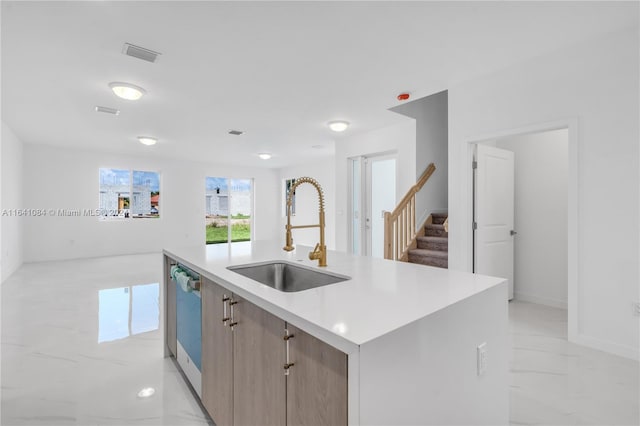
pixel 494 213
pixel 381 197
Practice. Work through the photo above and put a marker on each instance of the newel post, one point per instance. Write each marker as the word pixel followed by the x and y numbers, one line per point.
pixel 388 236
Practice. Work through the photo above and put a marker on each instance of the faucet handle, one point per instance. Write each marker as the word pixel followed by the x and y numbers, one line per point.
pixel 315 254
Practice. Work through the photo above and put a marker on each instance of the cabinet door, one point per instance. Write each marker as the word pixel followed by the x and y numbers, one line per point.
pixel 317 382
pixel 217 354
pixel 170 319
pixel 259 392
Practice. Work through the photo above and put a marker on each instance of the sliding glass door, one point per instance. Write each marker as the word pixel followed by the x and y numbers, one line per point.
pixel 228 209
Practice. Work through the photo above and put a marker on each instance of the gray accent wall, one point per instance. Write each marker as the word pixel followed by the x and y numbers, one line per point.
pixel 432 145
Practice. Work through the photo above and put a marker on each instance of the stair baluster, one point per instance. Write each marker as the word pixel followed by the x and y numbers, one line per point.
pixel 400 224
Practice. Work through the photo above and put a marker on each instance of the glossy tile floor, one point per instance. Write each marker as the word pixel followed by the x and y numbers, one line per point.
pixel 554 382
pixel 81 338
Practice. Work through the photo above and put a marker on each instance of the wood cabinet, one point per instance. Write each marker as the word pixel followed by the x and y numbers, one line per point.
pixel 217 353
pixel 316 383
pixel 259 391
pixel 243 367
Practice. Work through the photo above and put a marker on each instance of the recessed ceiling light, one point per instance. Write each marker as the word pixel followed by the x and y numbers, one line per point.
pixel 146 392
pixel 264 155
pixel 338 125
pixel 127 91
pixel 147 140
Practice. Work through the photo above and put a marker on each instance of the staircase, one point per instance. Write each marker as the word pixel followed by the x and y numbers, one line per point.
pixel 433 247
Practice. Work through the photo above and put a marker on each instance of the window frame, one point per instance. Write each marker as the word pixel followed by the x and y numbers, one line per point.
pixel 116 217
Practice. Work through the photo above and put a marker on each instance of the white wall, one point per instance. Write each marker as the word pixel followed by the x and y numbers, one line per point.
pixel 432 144
pixel 12 198
pixel 401 139
pixel 307 203
pixel 56 178
pixel 595 84
pixel 541 173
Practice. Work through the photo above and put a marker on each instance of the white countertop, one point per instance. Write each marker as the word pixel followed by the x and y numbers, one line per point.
pixel 382 295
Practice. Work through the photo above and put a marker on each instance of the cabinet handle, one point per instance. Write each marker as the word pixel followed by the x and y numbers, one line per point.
pixel 225 318
pixel 233 322
pixel 288 364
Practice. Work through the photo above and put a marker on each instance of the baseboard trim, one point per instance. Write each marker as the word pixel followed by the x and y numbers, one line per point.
pixel 606 346
pixel 554 303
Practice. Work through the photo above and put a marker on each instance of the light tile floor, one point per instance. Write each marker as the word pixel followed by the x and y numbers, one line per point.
pixel 554 382
pixel 81 338
pixel 54 370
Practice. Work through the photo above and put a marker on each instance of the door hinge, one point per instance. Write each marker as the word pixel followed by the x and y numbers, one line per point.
pixel 474 164
pixel 475 225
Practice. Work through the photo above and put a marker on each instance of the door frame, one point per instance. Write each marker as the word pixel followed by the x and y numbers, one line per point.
pixel 573 332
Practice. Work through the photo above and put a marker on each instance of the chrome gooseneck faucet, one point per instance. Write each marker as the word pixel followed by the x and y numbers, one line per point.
pixel 319 253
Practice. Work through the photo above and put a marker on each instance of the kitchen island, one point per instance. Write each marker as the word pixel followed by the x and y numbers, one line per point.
pixel 397 343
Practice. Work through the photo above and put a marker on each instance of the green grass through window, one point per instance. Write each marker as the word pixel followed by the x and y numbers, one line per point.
pixel 239 232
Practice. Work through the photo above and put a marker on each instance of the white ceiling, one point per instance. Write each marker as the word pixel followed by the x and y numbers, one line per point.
pixel 278 71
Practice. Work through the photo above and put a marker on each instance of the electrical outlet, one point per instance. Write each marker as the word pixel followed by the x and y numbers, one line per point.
pixel 636 309
pixel 481 358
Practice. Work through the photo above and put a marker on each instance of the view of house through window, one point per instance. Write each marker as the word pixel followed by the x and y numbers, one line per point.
pixel 228 210
pixel 129 193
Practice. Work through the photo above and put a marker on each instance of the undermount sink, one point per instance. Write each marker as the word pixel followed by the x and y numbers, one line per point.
pixel 287 277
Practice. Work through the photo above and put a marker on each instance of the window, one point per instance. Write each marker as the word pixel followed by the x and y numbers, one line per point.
pixel 228 202
pixel 129 194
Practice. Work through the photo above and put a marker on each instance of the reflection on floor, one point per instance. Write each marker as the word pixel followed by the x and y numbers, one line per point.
pixel 80 340
pixel 126 311
pixel 554 382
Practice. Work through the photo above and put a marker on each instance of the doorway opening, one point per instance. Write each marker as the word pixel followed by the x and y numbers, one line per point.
pixel 372 187
pixel 523 208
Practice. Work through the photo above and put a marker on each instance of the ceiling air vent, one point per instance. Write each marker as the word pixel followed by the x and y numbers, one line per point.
pixel 140 52
pixel 107 110
pixel 235 132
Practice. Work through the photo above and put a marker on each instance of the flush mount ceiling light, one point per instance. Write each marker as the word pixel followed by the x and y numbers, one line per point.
pixel 147 140
pixel 338 125
pixel 127 91
pixel 264 155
